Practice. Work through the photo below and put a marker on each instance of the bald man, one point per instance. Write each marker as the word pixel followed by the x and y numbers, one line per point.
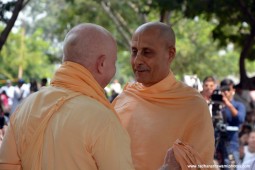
pixel 160 112
pixel 70 124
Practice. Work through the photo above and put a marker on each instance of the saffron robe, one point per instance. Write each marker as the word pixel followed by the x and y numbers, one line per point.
pixel 158 116
pixel 69 125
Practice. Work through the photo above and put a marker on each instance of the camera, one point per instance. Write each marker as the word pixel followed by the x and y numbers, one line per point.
pixel 217 94
pixel 220 125
pixel 217 105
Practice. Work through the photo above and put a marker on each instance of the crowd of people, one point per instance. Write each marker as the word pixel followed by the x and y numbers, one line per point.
pixel 13 93
pixel 233 114
pixel 156 122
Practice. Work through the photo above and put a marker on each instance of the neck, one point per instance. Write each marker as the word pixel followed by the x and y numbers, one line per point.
pixel 251 149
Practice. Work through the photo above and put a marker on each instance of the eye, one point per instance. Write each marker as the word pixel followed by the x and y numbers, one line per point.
pixel 133 52
pixel 147 52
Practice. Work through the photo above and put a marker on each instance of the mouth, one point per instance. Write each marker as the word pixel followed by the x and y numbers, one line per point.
pixel 141 71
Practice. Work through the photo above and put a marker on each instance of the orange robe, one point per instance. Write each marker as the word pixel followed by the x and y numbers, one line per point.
pixel 156 116
pixel 69 125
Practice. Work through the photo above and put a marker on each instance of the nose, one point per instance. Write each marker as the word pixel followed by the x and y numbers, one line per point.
pixel 138 59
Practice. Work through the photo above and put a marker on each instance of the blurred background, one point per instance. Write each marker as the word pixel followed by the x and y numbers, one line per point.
pixel 213 37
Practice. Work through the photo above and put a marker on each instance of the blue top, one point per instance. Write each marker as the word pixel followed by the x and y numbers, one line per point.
pixel 234 121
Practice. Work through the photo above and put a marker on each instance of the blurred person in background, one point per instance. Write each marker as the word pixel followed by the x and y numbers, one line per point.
pixel 209 85
pixel 33 86
pixel 116 86
pixel 44 82
pixel 245 97
pixel 5 103
pixel 9 89
pixel 234 116
pixel 21 91
pixel 249 151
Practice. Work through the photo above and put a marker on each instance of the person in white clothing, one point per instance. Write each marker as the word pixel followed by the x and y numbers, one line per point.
pixel 249 152
pixel 9 89
pixel 21 91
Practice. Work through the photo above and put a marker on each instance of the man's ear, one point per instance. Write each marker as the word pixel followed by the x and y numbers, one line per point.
pixel 171 52
pixel 100 64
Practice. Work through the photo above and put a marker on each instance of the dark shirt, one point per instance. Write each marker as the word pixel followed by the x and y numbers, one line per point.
pixel 237 121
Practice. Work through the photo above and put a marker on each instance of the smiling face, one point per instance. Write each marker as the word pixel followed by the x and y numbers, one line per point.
pixel 151 55
pixel 208 88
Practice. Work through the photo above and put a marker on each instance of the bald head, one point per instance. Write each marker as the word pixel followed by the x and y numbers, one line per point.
pixel 161 30
pixel 153 50
pixel 93 47
pixel 85 43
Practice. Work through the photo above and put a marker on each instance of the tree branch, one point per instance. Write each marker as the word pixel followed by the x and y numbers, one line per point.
pixel 20 4
pixel 25 3
pixel 122 22
pixel 248 13
pixel 118 24
pixel 136 9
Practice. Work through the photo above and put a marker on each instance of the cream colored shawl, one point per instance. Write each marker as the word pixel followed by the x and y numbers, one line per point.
pixel 76 78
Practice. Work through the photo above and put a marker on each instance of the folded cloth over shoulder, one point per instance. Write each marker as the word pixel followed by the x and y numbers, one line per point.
pixel 188 158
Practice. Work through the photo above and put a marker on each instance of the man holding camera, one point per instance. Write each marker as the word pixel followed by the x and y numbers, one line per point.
pixel 234 115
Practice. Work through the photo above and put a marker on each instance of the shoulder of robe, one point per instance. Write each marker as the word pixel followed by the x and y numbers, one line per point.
pixel 85 104
pixel 124 98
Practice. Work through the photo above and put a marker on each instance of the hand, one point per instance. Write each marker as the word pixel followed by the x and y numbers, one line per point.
pixel 170 162
pixel 224 98
pixel 228 104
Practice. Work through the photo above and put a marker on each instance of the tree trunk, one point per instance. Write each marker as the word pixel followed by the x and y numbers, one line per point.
pixel 245 81
pixel 125 33
pixel 165 16
pixel 10 23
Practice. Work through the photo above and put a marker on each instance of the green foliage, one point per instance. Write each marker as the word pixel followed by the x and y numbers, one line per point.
pixel 198 54
pixel 27 52
pixel 75 13
pixel 235 21
pixel 124 69
pixel 78 11
pixel 168 5
pixel 4 8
